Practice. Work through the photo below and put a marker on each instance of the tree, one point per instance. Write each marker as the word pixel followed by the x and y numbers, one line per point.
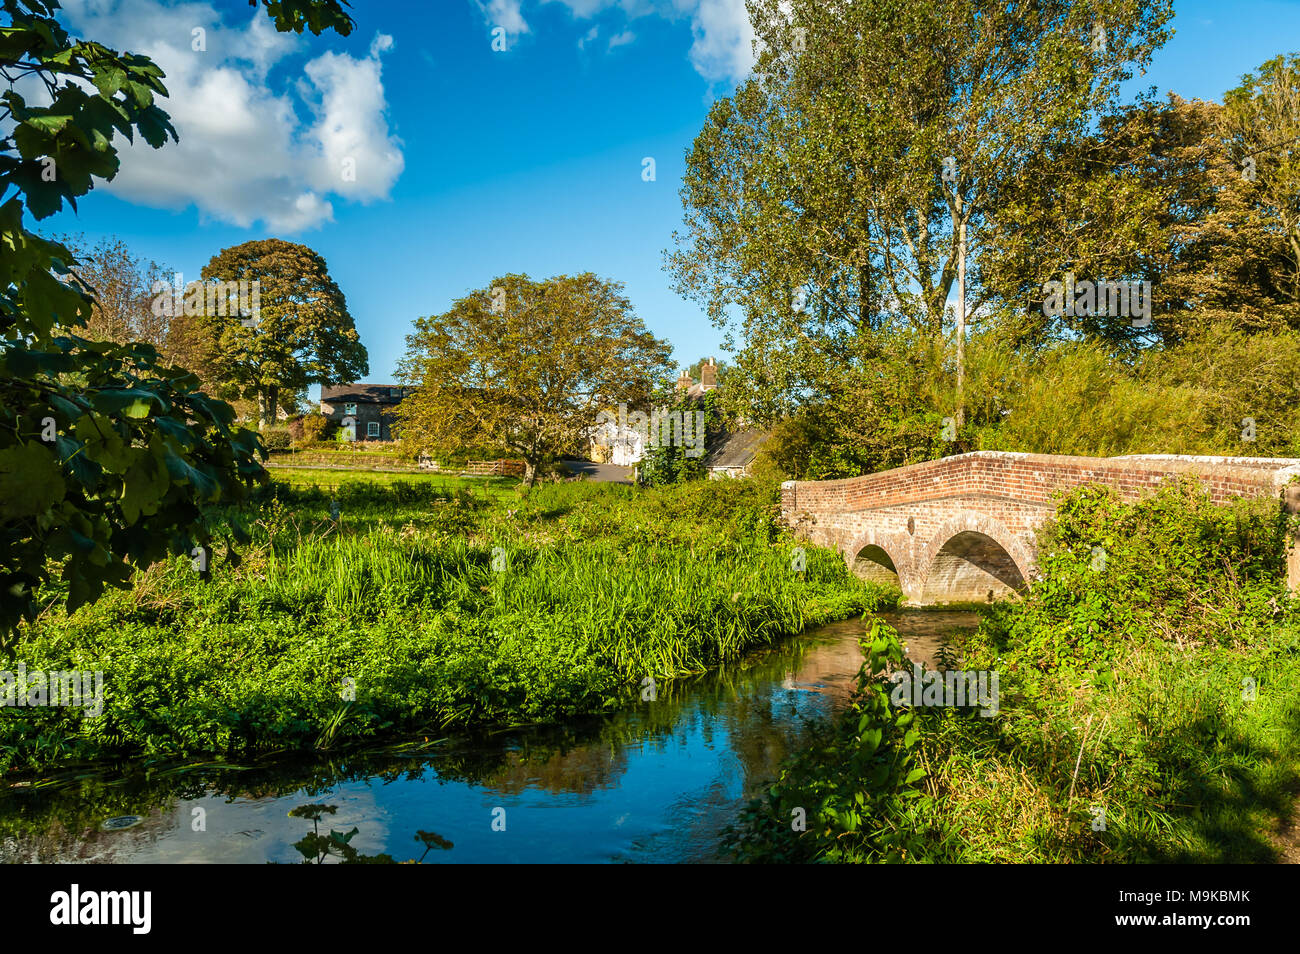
pixel 1261 121
pixel 122 287
pixel 848 189
pixel 108 459
pixel 1160 191
pixel 528 365
pixel 301 335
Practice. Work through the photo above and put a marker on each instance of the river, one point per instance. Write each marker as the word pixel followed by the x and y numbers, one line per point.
pixel 655 783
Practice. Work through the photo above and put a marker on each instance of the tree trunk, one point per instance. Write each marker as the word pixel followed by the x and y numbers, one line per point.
pixel 268 401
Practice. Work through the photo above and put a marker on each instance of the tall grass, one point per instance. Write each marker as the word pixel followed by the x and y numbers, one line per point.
pixel 435 607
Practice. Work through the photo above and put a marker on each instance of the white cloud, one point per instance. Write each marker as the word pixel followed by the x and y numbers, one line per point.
pixel 245 155
pixel 723 47
pixel 591 35
pixel 723 37
pixel 621 39
pixel 507 14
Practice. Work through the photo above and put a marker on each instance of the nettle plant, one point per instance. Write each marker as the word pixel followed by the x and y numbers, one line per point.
pixel 108 458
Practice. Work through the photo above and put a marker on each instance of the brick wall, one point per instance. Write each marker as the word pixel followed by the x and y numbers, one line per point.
pixel 1032 478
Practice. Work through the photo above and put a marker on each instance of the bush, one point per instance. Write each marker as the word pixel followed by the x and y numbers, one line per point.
pixel 276 438
pixel 314 426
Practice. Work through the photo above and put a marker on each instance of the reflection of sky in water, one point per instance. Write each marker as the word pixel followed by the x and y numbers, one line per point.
pixel 639 788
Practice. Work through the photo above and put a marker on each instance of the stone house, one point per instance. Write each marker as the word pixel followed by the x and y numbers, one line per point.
pixel 364 410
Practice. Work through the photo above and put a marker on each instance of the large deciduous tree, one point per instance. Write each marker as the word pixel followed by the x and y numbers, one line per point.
pixel 848 189
pixel 301 335
pixel 528 365
pixel 108 459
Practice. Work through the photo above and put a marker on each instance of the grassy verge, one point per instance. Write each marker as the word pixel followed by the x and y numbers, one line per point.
pixel 427 605
pixel 1147 711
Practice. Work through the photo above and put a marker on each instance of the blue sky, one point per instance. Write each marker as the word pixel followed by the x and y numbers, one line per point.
pixel 472 162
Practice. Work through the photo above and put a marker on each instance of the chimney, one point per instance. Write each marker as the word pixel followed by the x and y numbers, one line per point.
pixel 684 382
pixel 709 375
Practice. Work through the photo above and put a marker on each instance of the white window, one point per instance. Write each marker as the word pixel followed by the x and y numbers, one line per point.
pixel 372 429
pixel 349 409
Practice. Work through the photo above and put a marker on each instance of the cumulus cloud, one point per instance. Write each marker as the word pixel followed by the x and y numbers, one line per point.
pixel 246 154
pixel 724 37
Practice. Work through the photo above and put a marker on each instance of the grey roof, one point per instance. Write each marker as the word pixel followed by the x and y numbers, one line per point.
pixel 737 449
pixel 361 393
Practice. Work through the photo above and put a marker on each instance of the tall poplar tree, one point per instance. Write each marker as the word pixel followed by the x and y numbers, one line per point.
pixel 847 189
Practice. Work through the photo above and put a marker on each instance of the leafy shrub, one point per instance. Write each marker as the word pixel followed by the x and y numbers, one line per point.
pixel 861 781
pixel 314 426
pixel 276 438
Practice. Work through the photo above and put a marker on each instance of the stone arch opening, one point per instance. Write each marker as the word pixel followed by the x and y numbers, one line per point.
pixel 873 563
pixel 971 567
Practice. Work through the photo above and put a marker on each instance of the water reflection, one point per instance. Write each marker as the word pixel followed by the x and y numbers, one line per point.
pixel 656 782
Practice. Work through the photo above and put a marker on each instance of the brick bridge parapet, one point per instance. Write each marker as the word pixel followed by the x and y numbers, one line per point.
pixel 965 527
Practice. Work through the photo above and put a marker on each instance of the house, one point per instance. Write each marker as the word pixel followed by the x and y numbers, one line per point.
pixel 622 440
pixel 363 410
pixel 733 452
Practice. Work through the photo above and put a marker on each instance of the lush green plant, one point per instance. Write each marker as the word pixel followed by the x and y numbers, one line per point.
pixel 314 426
pixel 670 462
pixel 1147 710
pixel 861 782
pixel 443 605
pixel 108 459
pixel 276 438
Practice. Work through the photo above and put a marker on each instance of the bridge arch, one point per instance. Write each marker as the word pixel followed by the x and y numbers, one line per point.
pixel 882 557
pixel 972 557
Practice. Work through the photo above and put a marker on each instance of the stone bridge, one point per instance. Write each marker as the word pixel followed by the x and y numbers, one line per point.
pixel 964 528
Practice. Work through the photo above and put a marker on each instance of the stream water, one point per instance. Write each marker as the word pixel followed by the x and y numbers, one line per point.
pixel 655 783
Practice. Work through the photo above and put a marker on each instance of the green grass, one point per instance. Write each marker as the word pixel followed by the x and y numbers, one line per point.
pixel 1126 733
pixel 306 477
pixel 446 603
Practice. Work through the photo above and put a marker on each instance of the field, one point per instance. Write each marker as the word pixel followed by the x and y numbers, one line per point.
pixel 430 603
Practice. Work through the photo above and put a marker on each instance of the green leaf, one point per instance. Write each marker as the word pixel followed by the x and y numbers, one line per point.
pixel 30 481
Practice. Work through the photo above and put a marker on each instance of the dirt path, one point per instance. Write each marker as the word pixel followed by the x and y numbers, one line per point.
pixel 1288 839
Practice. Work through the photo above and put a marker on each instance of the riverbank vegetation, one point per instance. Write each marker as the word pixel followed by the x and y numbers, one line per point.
pixel 1147 710
pixel 424 606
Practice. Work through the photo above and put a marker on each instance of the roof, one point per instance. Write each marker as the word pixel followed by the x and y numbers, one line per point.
pixel 361 393
pixel 737 449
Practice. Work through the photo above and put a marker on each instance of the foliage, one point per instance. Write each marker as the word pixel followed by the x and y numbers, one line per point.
pixel 107 458
pixel 302 333
pixel 1113 571
pixel 444 605
pixel 277 438
pixel 861 782
pixel 527 365
pixel 314 426
pixel 122 286
pixel 670 461
pixel 816 204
